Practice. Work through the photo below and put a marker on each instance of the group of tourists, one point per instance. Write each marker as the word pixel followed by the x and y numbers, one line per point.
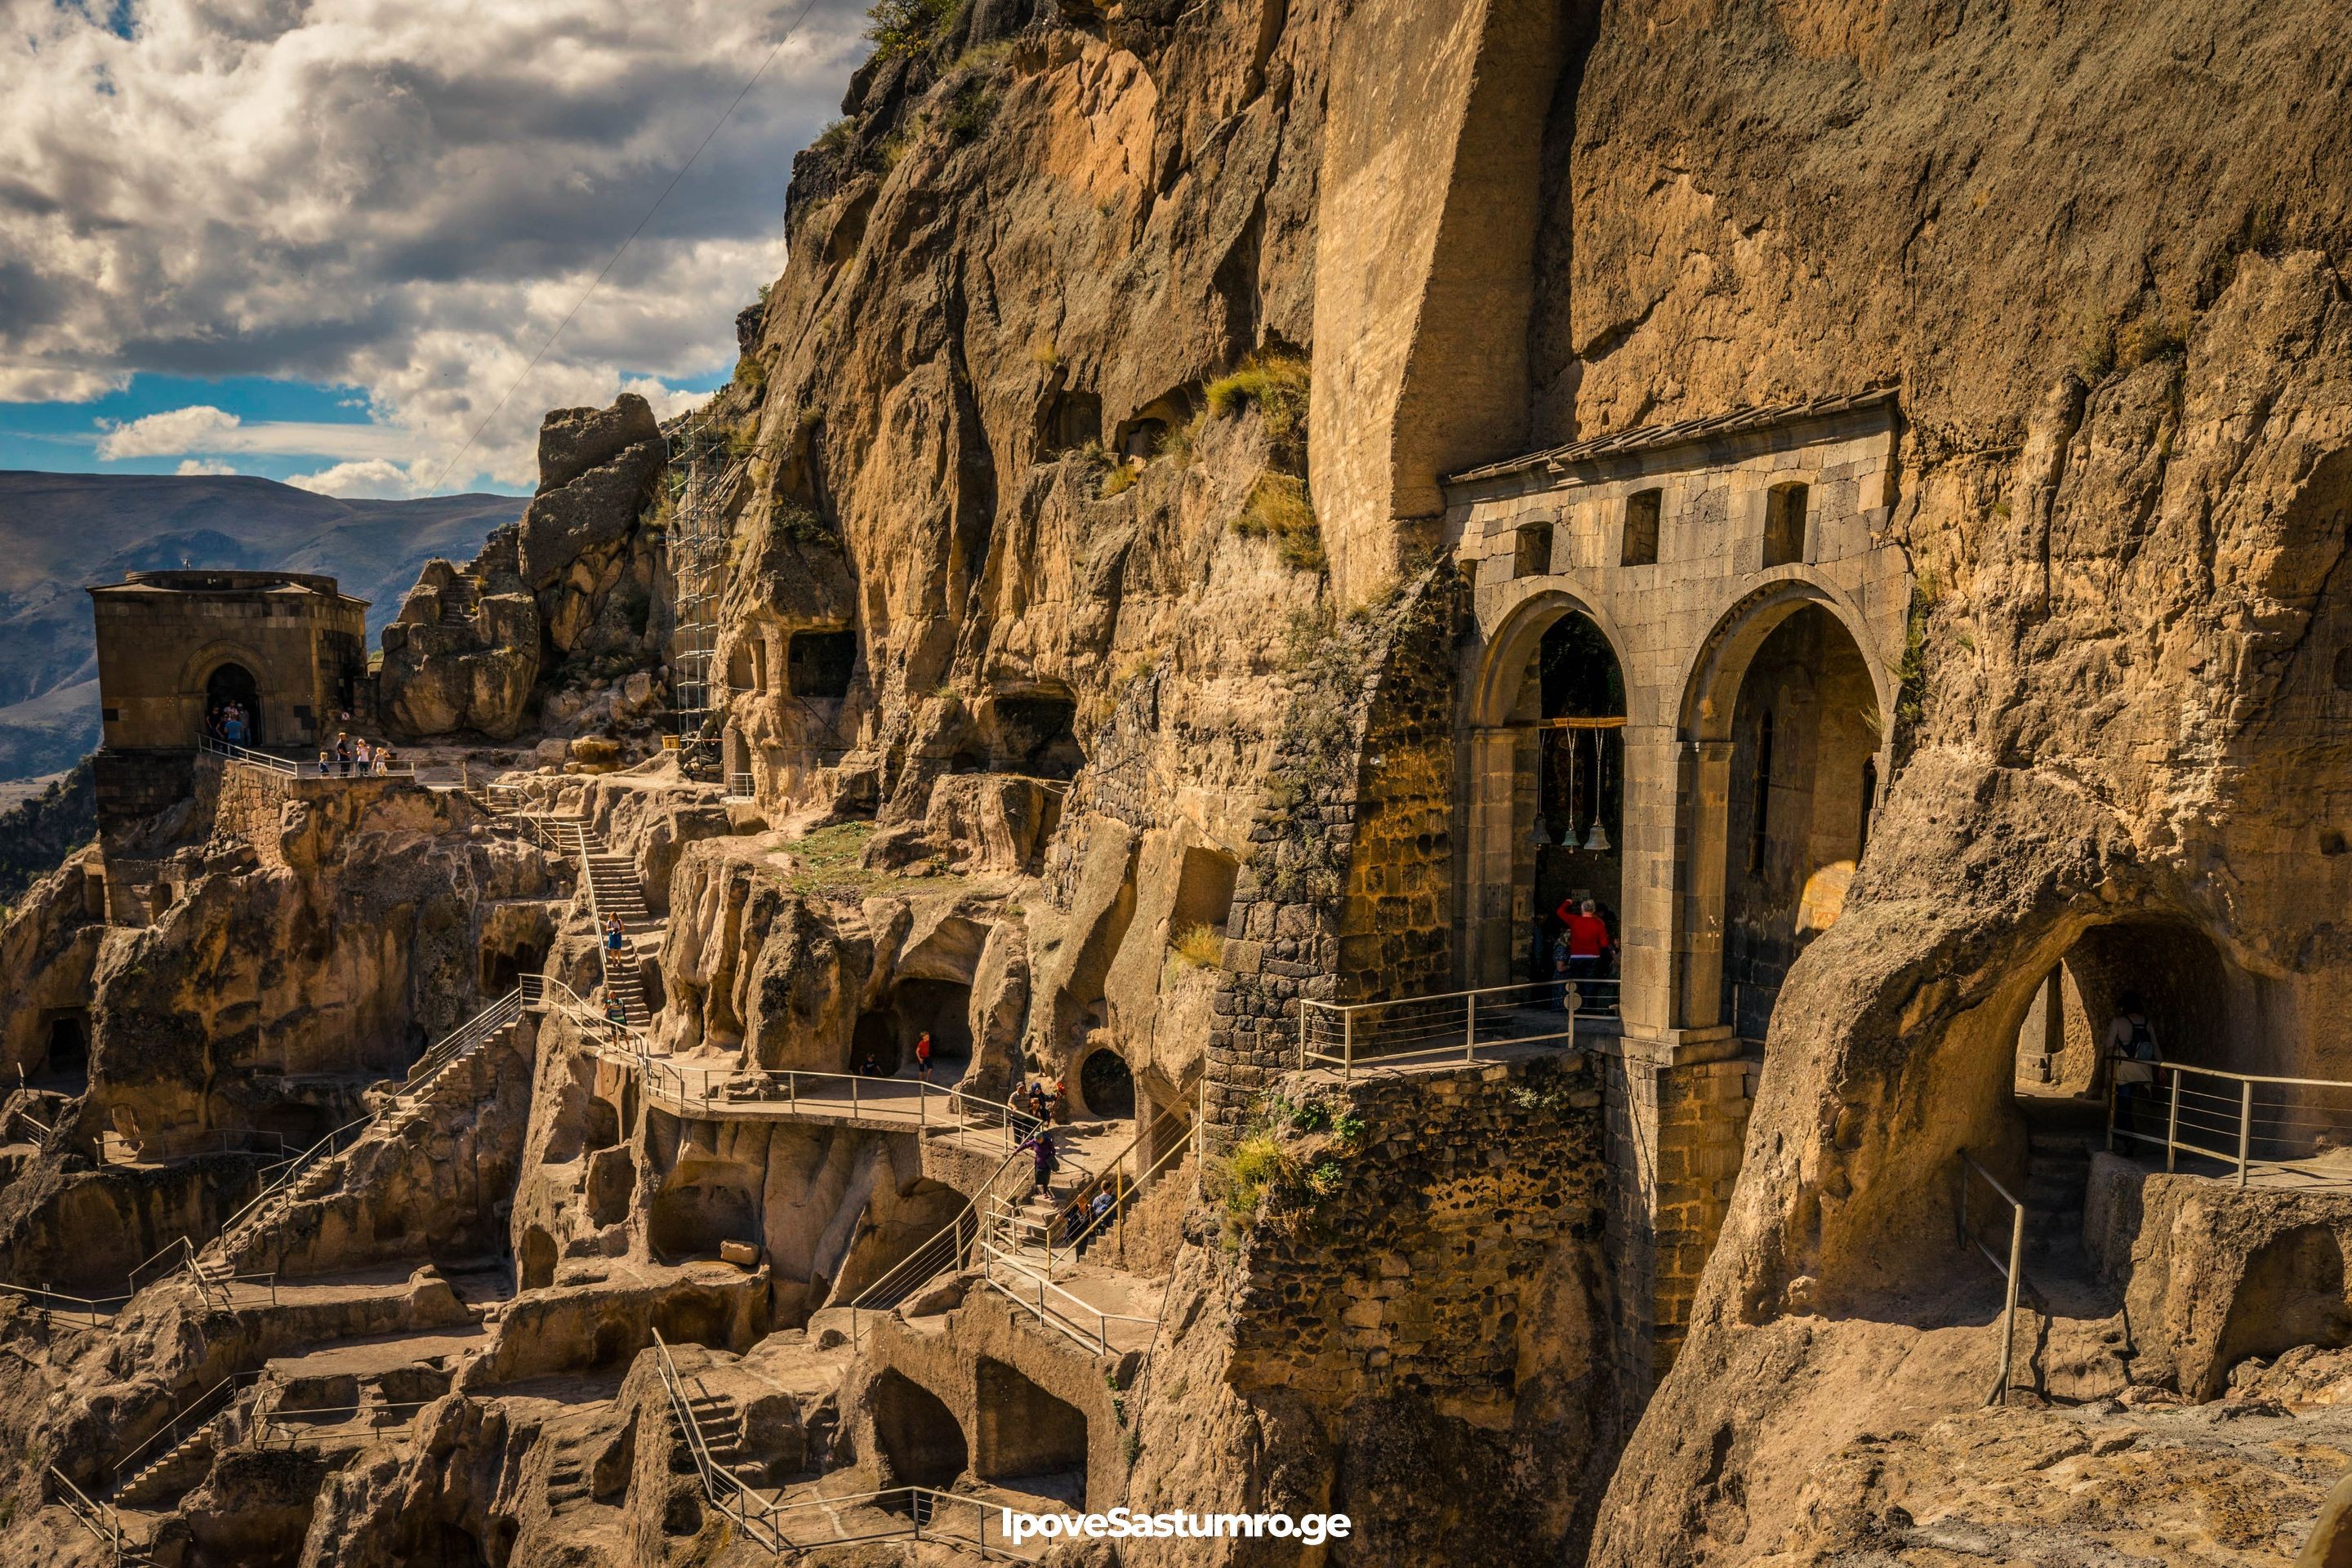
pixel 230 722
pixel 348 756
pixel 1084 1216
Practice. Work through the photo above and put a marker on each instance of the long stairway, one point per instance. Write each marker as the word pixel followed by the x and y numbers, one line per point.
pixel 613 890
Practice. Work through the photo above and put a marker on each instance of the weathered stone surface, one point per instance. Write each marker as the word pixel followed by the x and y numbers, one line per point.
pixel 573 440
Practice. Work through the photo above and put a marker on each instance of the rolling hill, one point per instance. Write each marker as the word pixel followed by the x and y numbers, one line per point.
pixel 59 533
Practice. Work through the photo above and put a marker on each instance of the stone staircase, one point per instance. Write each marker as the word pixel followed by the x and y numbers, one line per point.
pixel 461 599
pixel 2057 1179
pixel 719 1421
pixel 175 1470
pixel 613 889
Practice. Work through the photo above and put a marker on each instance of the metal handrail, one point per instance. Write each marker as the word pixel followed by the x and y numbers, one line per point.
pixel 2013 1271
pixel 2223 1126
pixel 738 786
pixel 99 1519
pixel 189 1142
pixel 1107 1170
pixel 991 1255
pixel 922 1509
pixel 46 1300
pixel 286 768
pixel 185 1421
pixel 266 1421
pixel 750 1510
pixel 953 1233
pixel 1449 1025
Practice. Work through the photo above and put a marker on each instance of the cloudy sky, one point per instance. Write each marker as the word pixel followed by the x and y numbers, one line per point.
pixel 319 239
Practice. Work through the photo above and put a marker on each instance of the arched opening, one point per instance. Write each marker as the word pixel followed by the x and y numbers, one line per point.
pixel 690 1219
pixel 739 667
pixel 1107 1085
pixel 941 1009
pixel 1029 1441
pixel 820 665
pixel 537 1258
pixel 1073 420
pixel 1547 792
pixel 1573 700
pixel 1805 733
pixel 920 1442
pixel 233 686
pixel 67 1055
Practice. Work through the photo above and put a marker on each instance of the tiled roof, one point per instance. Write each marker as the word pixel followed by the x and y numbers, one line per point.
pixel 1648 438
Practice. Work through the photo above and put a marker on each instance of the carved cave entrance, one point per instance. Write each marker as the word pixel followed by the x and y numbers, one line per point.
pixel 1805 735
pixel 820 665
pixel 1029 1441
pixel 887 1035
pixel 1107 1085
pixel 67 1054
pixel 504 967
pixel 1034 735
pixel 1569 780
pixel 920 1442
pixel 233 683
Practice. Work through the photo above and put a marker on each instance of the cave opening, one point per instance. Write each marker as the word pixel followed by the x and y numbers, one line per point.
pixel 67 1057
pixel 1030 1441
pixel 874 1043
pixel 503 968
pixel 820 665
pixel 1805 735
pixel 1105 1085
pixel 921 1443
pixel 1035 735
pixel 233 683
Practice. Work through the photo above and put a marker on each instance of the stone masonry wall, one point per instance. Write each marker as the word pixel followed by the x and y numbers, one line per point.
pixel 1435 1285
pixel 1345 895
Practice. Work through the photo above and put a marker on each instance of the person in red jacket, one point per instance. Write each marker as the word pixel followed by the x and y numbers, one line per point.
pixel 923 1057
pixel 1588 943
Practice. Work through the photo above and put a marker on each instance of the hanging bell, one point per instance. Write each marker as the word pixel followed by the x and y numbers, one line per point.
pixel 1568 839
pixel 1599 841
pixel 1542 833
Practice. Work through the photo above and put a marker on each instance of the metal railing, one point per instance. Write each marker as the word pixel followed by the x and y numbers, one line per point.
pixel 292 1434
pixel 941 1107
pixel 115 1149
pixel 725 1490
pixel 188 1416
pixel 292 768
pixel 947 1249
pixel 99 1519
pixel 1453 1026
pixel 2011 1267
pixel 925 1514
pixel 1089 1325
pixel 71 1308
pixel 738 786
pixel 1006 1227
pixel 2276 1126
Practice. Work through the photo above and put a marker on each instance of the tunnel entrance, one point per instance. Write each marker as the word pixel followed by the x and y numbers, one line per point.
pixel 504 968
pixel 233 683
pixel 1805 735
pixel 1029 1440
pixel 1034 735
pixel 820 665
pixel 920 1442
pixel 1107 1085
pixel 67 1055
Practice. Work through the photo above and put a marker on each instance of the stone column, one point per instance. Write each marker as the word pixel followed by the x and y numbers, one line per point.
pixel 1704 802
pixel 1493 863
pixel 1647 850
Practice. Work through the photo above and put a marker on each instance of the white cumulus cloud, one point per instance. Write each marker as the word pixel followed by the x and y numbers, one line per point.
pixel 195 467
pixel 401 196
pixel 371 479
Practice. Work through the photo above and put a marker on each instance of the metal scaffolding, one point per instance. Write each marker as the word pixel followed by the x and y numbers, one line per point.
pixel 703 483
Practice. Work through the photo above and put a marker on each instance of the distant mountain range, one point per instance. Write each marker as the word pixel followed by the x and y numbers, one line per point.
pixel 61 533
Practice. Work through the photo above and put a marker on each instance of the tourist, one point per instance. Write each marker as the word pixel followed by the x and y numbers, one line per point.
pixel 2131 1042
pixel 870 1067
pixel 614 936
pixel 384 761
pixel 343 753
pixel 1588 941
pixel 1043 1158
pixel 326 765
pixel 1075 1220
pixel 1039 1110
pixel 1060 1108
pixel 616 1019
pixel 1102 1207
pixel 361 755
pixel 923 1056
pixel 233 726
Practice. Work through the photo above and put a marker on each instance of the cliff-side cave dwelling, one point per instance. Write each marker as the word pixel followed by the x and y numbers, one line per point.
pixel 1233 525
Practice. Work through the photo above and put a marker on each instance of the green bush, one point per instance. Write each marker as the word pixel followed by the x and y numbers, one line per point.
pixel 907 26
pixel 1278 507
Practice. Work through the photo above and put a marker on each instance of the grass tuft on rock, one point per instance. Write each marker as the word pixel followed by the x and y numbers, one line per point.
pixel 1278 507
pixel 1198 946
